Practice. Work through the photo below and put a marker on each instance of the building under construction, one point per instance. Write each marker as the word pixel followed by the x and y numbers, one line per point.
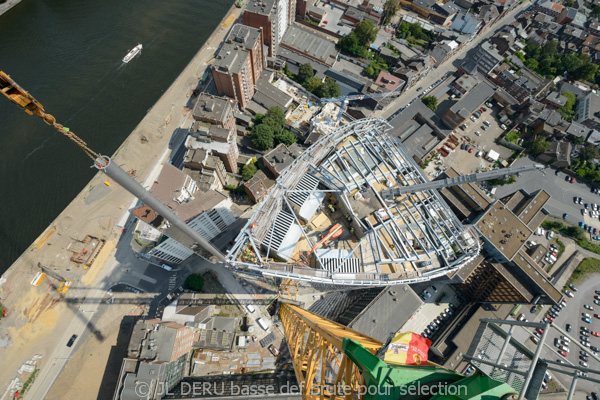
pixel 327 221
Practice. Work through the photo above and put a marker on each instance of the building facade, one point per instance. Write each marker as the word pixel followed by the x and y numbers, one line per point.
pixel 238 63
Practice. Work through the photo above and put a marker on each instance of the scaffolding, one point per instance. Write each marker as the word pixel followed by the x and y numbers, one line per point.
pixel 342 177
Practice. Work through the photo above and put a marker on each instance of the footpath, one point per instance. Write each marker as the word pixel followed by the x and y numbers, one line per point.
pixel 37 316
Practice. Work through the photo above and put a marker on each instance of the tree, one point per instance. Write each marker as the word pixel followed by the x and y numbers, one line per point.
pixel 328 89
pixel 595 12
pixel 578 140
pixel 365 32
pixel 390 8
pixel 312 84
pixel 258 117
pixel 275 118
pixel 195 282
pixel 567 111
pixel 586 71
pixel 375 67
pixel 537 146
pixel 286 137
pixel 305 72
pixel 249 170
pixel 569 3
pixel 431 102
pixel 262 137
pixel 531 64
pixel 549 48
pixel 287 72
pixel 350 45
pixel 589 152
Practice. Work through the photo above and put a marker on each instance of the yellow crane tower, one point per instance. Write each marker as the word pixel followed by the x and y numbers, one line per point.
pixel 332 361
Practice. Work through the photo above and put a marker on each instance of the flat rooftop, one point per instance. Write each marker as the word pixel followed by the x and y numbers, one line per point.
pixel 325 219
pixel 306 42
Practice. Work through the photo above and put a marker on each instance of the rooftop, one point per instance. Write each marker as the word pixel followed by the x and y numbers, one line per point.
pixel 333 189
pixel 262 7
pixel 212 108
pixel 306 42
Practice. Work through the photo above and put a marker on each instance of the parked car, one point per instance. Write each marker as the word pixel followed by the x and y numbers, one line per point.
pixel 565 216
pixel 572 180
pixel 562 353
pixel 568 328
pixel 568 293
pixel 71 341
pixel 273 350
pixel 588 307
pixel 586 320
pixel 573 288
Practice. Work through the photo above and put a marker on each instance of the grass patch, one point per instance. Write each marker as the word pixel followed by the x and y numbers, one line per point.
pixel 513 137
pixel 586 267
pixel 2 309
pixel 29 380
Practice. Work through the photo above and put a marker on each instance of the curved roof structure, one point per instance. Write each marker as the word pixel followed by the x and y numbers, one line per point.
pixel 325 220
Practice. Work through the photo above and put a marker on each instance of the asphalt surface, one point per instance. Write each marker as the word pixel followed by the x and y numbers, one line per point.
pixel 562 192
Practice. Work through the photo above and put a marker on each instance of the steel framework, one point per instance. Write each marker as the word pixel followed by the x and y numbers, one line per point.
pixel 332 361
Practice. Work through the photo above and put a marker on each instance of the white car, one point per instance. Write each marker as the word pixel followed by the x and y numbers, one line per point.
pixel 478 133
pixel 473 118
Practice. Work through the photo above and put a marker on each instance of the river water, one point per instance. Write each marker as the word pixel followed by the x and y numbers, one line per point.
pixel 67 54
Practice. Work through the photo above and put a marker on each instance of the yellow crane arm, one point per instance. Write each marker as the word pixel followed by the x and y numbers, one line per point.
pixel 26 102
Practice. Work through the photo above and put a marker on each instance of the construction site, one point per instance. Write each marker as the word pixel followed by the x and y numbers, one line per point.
pixel 327 219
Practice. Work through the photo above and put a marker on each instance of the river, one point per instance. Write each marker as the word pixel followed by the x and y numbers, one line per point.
pixel 67 54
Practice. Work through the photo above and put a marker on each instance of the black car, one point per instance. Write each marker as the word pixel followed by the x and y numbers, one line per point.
pixel 533 309
pixel 595 396
pixel 71 341
pixel 569 328
pixel 584 358
pixel 594 348
pixel 597 291
pixel 583 328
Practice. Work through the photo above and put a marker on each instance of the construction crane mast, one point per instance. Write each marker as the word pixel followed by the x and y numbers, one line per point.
pixel 442 183
pixel 332 361
pixel 20 97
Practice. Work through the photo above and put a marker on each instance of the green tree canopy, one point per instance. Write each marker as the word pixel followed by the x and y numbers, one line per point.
pixel 350 45
pixel 567 110
pixel 262 137
pixel 195 282
pixel 275 118
pixel 305 72
pixel 249 170
pixel 586 71
pixel 390 8
pixel 286 137
pixel 431 102
pixel 312 84
pixel 365 32
pixel 328 89
pixel 589 152
pixel 537 146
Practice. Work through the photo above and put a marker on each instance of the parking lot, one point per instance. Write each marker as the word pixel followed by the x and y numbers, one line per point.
pixel 561 191
pixel 440 303
pixel 572 314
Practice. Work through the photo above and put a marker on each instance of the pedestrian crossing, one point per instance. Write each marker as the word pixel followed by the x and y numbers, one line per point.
pixel 172 282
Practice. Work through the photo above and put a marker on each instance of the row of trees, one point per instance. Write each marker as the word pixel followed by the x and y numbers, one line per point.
pixel 268 130
pixel 546 61
pixel 305 77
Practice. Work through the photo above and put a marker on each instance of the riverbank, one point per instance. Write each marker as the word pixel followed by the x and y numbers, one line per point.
pixel 38 316
pixel 4 7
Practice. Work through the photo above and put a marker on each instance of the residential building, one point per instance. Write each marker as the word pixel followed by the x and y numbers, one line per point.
pixel 256 187
pixel 487 58
pixel 238 63
pixel 587 111
pixel 466 23
pixel 208 213
pixel 558 154
pixel 156 356
pixel 278 159
pixel 272 16
pixel 214 110
pixel 554 100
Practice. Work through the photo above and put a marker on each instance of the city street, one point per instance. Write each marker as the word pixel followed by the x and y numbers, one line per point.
pixel 450 64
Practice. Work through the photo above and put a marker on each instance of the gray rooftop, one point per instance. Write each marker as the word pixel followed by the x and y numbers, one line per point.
pixel 269 96
pixel 262 7
pixel 231 58
pixel 473 99
pixel 280 157
pixel 243 35
pixel 210 107
pixel 306 42
pixel 386 314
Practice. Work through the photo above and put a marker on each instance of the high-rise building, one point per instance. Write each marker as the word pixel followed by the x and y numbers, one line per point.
pixel 273 16
pixel 239 63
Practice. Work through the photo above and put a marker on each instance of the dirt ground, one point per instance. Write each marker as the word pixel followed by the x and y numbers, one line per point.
pixel 94 368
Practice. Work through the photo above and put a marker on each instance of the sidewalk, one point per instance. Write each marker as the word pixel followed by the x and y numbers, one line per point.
pixel 8 5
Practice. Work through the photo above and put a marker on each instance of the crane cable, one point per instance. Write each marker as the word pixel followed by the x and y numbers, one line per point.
pixel 50 120
pixel 25 101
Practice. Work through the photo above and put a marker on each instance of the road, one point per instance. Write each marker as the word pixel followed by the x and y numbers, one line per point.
pixel 449 64
pixel 562 192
